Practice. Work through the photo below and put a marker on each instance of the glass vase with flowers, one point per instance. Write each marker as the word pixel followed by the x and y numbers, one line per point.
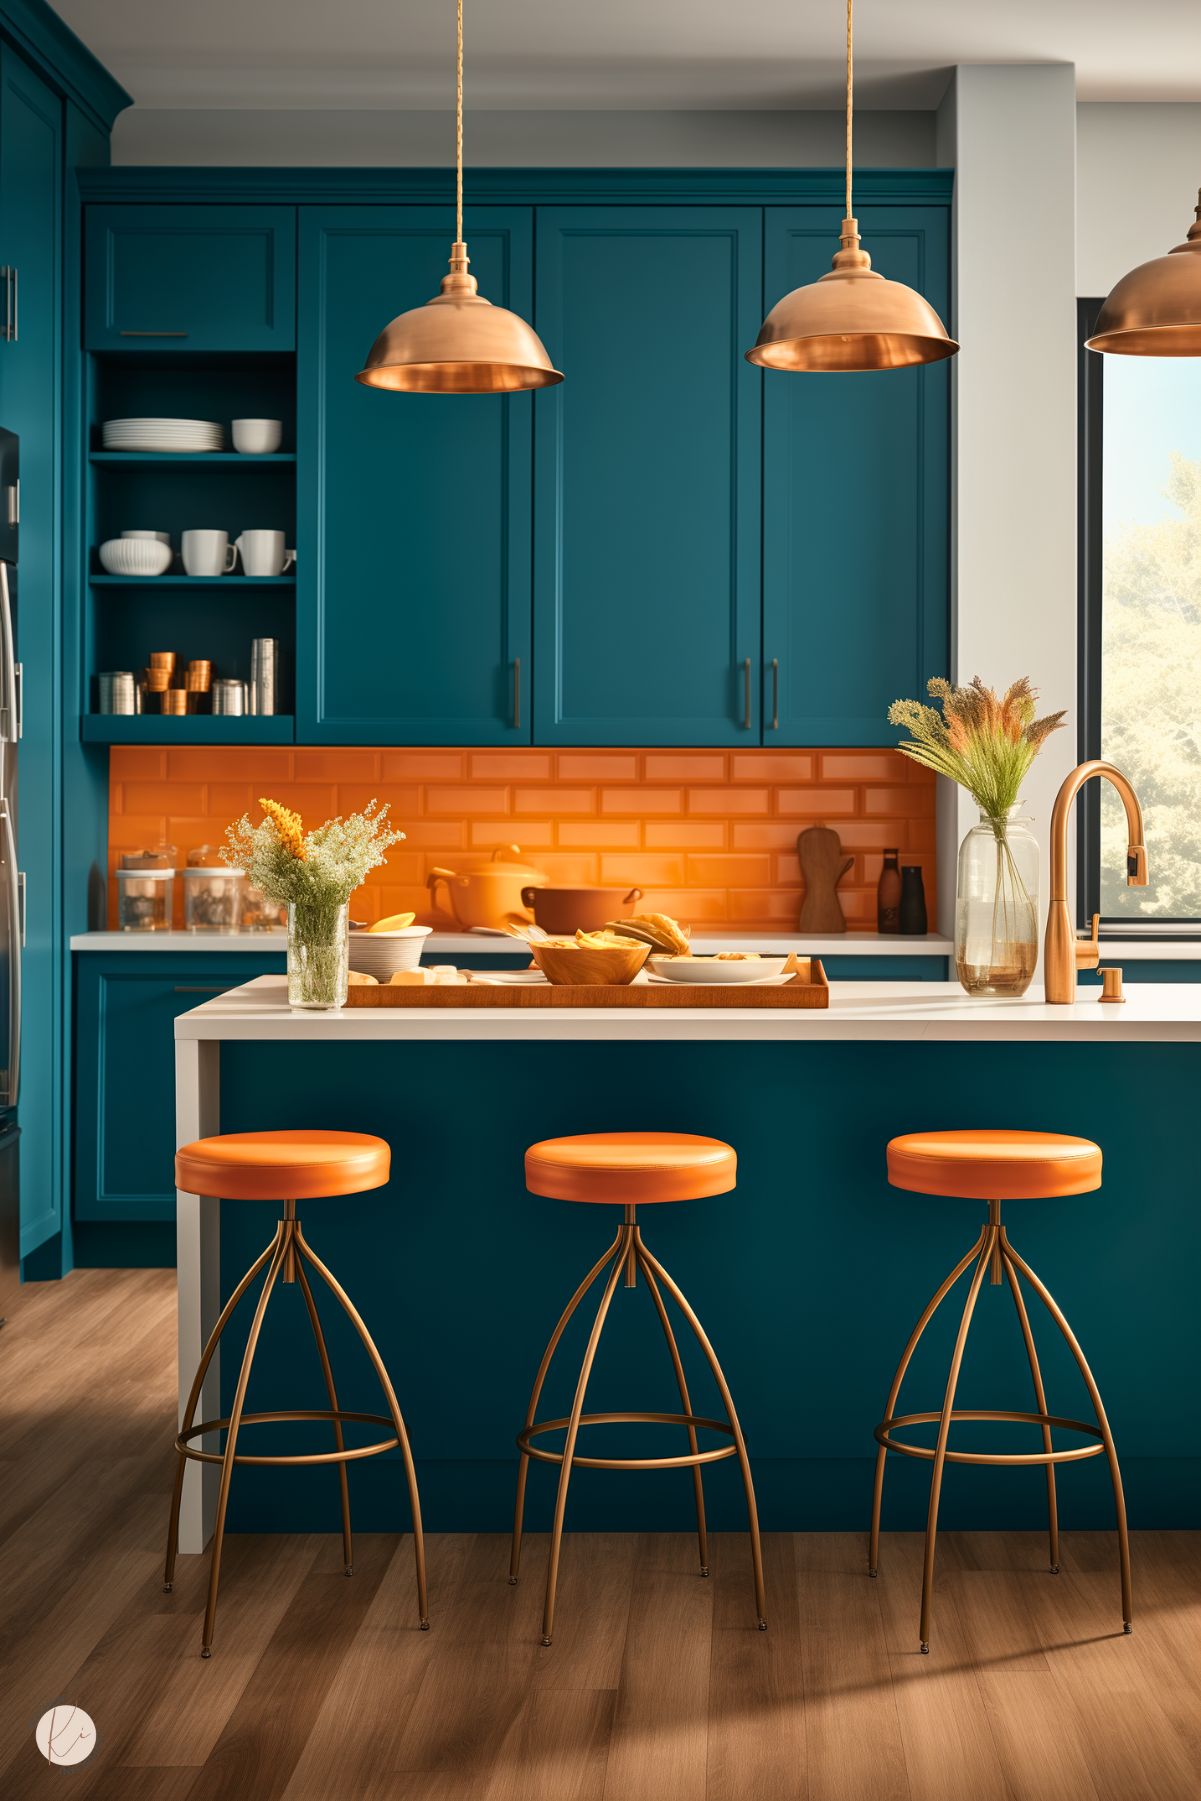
pixel 987 744
pixel 314 874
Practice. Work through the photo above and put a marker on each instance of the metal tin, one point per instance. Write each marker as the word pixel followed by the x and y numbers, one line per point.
pixel 264 675
pixel 117 691
pixel 229 695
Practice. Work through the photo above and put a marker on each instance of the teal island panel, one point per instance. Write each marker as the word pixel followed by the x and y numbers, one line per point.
pixel 808 1278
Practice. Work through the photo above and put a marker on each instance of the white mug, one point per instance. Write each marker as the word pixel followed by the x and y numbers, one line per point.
pixel 257 437
pixel 208 553
pixel 263 553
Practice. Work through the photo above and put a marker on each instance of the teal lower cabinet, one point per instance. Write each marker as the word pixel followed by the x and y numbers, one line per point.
pixel 126 1006
pixel 856 482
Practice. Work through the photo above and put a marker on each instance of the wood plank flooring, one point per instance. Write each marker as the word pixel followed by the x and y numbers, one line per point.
pixel 658 1686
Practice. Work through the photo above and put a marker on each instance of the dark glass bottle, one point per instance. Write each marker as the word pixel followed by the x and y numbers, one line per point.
pixel 888 895
pixel 913 899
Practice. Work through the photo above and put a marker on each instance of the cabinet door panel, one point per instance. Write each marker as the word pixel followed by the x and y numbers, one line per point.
pixel 413 563
pixel 190 278
pixel 125 1088
pixel 31 126
pixel 647 476
pixel 855 501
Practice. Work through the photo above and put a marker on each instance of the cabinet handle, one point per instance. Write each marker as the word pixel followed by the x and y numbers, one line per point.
pixel 775 694
pixel 199 988
pixel 746 694
pixel 9 330
pixel 15 333
pixel 12 504
pixel 152 334
pixel 516 693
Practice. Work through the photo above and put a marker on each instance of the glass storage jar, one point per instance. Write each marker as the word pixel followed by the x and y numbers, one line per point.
pixel 145 899
pixel 260 914
pixel 212 898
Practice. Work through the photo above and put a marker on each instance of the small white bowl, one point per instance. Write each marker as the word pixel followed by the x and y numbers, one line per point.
pixel 135 556
pixel 381 954
pixel 717 969
pixel 159 537
pixel 257 437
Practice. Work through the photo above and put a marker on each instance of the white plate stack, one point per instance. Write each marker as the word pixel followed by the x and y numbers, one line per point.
pixel 179 436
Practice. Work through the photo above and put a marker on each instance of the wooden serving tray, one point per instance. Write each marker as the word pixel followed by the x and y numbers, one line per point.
pixel 808 988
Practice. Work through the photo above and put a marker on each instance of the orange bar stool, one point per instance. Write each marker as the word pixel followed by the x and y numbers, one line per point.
pixel 285 1167
pixel 995 1167
pixel 630 1169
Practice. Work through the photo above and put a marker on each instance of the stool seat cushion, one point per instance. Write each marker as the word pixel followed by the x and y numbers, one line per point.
pixel 994 1165
pixel 282 1166
pixel 630 1168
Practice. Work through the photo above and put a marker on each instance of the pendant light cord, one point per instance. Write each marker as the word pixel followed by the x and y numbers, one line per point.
pixel 850 97
pixel 459 125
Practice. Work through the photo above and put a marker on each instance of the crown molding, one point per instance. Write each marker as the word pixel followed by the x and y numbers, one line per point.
pixel 38 32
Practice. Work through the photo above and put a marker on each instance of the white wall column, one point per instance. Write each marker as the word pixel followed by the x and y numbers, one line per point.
pixel 1011 134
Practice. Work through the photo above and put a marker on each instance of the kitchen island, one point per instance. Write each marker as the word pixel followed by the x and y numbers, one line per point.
pixel 809 1277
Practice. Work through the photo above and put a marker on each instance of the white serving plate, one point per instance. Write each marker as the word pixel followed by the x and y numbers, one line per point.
pixel 715 969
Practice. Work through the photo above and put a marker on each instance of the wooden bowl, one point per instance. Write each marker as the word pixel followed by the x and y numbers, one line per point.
pixel 589 968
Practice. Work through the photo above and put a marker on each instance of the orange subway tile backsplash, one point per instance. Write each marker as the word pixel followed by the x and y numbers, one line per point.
pixel 708 835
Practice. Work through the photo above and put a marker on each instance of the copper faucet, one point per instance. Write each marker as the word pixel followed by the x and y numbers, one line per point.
pixel 1063 953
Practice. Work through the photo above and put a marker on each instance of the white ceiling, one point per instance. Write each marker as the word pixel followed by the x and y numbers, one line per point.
pixel 620 54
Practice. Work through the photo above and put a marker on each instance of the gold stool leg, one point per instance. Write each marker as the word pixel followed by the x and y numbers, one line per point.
pixel 944 1427
pixel 685 1407
pixel 652 1267
pixel 1040 1401
pixel 287 1231
pixel 1094 1395
pixel 189 1412
pixel 624 1239
pixel 327 1372
pixel 523 1465
pixel 935 1302
pixel 385 1382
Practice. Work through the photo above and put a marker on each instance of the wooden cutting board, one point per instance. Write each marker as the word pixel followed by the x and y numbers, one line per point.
pixel 808 988
pixel 823 867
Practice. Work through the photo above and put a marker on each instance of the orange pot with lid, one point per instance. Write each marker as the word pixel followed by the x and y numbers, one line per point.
pixel 490 896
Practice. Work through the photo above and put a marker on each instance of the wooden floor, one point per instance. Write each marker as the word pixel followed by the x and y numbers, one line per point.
pixel 657 1686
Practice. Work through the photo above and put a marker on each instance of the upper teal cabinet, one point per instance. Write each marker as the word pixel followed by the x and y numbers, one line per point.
pixel 190 278
pixel 646 516
pixel 413 560
pixel 855 501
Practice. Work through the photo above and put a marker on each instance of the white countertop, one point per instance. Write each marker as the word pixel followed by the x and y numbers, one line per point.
pixel 1148 948
pixel 936 1012
pixel 453 944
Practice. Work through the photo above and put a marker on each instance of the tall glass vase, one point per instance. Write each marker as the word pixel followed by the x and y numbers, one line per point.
pixel 996 906
pixel 318 954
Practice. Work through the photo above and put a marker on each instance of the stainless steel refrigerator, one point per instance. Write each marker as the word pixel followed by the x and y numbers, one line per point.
pixel 12 882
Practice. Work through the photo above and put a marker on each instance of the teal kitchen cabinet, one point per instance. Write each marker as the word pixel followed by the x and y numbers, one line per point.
pixel 126 1006
pixel 31 138
pixel 413 560
pixel 215 278
pixel 647 483
pixel 855 501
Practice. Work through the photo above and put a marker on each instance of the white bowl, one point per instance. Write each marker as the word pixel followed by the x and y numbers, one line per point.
pixel 381 954
pixel 135 556
pixel 716 969
pixel 257 437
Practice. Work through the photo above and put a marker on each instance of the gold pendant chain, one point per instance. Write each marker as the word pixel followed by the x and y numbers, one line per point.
pixel 459 125
pixel 850 97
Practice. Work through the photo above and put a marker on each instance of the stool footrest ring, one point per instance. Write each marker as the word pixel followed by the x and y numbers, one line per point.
pixel 688 1461
pixel 349 1454
pixel 884 1431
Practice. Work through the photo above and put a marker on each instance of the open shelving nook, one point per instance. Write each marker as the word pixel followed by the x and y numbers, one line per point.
pixel 124 619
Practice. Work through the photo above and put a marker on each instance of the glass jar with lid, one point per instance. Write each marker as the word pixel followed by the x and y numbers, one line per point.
pixel 212 893
pixel 146 889
pixel 260 914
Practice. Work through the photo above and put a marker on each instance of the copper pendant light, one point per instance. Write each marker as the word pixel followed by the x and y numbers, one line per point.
pixel 1156 309
pixel 458 342
pixel 851 319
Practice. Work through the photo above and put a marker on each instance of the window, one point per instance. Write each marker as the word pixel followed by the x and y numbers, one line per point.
pixel 1140 638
